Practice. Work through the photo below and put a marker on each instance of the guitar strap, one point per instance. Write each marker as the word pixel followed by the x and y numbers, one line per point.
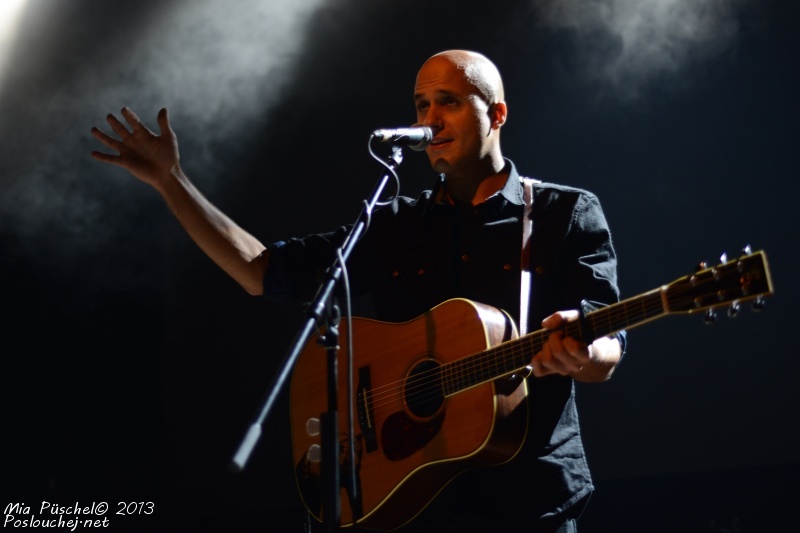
pixel 525 257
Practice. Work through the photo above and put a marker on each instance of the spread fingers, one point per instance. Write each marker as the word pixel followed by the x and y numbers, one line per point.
pixel 118 127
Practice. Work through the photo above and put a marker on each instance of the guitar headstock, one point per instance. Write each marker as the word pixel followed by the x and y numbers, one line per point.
pixel 745 278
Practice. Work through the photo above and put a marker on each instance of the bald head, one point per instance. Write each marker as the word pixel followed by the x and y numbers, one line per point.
pixel 478 70
pixel 459 95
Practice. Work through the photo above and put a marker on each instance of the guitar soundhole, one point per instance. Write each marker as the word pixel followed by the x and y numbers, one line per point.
pixel 423 392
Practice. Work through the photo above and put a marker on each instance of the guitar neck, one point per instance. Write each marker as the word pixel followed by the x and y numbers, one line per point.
pixel 514 355
pixel 729 283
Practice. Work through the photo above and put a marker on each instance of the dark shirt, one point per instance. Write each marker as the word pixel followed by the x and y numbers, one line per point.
pixel 419 252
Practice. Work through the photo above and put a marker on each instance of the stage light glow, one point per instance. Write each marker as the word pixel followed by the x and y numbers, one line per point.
pixel 624 45
pixel 10 12
pixel 221 71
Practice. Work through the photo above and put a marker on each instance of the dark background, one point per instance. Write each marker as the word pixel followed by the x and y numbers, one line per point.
pixel 132 366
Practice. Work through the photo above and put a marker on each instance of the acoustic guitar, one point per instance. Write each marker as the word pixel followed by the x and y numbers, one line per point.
pixel 446 392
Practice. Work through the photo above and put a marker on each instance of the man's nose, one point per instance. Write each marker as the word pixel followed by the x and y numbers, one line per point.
pixel 433 119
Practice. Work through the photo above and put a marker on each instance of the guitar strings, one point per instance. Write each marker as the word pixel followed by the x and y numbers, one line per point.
pixel 472 371
pixel 483 367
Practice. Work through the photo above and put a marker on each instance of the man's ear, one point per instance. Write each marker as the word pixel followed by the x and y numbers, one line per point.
pixel 498 112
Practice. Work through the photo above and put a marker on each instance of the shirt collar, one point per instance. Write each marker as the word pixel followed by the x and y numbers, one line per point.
pixel 511 190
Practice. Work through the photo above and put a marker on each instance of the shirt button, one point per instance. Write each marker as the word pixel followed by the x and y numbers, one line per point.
pixel 506 267
pixel 395 274
pixel 420 272
pixel 465 258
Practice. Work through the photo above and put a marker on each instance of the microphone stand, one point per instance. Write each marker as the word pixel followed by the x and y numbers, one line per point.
pixel 322 306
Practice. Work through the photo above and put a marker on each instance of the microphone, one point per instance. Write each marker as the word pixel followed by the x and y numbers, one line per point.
pixel 416 137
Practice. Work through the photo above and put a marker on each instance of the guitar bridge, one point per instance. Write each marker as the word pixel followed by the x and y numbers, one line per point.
pixel 365 411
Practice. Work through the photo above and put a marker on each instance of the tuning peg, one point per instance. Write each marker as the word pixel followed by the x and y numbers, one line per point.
pixel 733 310
pixel 747 250
pixel 723 258
pixel 759 304
pixel 710 317
pixel 702 265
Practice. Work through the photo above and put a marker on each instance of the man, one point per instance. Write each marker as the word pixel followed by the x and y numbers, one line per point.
pixel 460 240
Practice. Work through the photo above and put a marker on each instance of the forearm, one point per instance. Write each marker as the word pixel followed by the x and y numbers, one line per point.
pixel 154 159
pixel 232 248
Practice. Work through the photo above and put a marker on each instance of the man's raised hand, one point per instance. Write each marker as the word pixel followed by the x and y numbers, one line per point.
pixel 150 157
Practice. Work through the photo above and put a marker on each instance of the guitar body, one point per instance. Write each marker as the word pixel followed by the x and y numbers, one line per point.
pixel 411 437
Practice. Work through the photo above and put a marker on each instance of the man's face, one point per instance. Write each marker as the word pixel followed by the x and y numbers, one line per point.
pixel 458 114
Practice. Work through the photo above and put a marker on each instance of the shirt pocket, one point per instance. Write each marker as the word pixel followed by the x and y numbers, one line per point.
pixel 410 284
